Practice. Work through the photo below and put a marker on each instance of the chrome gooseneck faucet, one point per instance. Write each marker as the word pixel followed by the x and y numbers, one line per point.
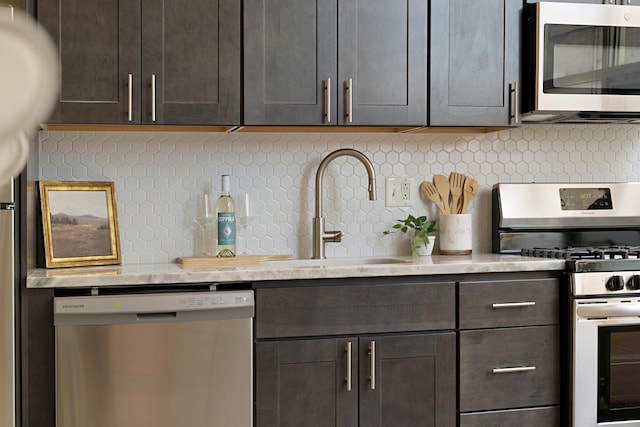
pixel 320 235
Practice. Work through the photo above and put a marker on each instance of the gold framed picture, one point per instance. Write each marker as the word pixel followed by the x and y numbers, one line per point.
pixel 80 223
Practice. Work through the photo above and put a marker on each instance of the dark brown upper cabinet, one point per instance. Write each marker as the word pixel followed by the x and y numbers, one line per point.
pixel 475 63
pixel 146 61
pixel 327 62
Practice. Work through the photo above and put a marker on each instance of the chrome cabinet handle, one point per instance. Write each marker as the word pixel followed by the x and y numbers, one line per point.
pixel 327 100
pixel 349 373
pixel 130 104
pixel 349 88
pixel 513 369
pixel 153 98
pixel 513 304
pixel 372 360
pixel 513 96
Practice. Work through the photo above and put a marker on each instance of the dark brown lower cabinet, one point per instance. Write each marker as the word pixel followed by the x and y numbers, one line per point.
pixel 509 352
pixel 509 368
pixel 529 417
pixel 368 380
pixel 302 383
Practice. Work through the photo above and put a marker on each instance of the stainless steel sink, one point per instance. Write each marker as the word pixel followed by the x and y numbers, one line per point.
pixel 339 262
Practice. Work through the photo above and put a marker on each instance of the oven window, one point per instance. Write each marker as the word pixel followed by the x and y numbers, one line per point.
pixel 618 373
pixel 590 59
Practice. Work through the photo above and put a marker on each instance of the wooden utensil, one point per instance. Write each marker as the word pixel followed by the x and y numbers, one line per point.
pixel 469 191
pixel 430 192
pixel 456 183
pixel 442 185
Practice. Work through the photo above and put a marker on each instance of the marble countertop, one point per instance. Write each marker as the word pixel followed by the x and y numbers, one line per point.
pixel 169 273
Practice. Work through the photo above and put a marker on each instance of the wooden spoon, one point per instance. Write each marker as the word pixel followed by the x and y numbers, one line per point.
pixel 442 185
pixel 469 191
pixel 430 192
pixel 456 183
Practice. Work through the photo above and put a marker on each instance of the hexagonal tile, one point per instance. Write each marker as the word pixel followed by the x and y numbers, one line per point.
pixel 158 173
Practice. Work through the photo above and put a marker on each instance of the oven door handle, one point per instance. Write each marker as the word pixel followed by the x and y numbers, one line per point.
pixel 608 310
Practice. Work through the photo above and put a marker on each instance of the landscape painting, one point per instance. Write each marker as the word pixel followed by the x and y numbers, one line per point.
pixel 79 223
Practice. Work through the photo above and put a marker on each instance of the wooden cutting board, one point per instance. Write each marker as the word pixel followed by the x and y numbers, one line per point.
pixel 229 261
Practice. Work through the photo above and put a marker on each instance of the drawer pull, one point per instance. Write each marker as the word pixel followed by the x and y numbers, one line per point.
pixel 514 369
pixel 348 351
pixel 372 360
pixel 514 304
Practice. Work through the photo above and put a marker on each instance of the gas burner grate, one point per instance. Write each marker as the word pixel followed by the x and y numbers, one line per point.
pixel 591 253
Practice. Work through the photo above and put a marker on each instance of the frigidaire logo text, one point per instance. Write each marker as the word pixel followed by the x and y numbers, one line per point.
pixel 72 305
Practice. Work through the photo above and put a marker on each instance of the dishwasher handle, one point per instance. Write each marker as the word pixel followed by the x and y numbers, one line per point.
pixel 147 308
pixel 157 316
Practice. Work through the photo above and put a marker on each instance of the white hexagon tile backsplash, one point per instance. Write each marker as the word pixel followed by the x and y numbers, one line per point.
pixel 159 176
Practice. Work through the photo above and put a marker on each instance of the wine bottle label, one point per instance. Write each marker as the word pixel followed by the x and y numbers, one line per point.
pixel 226 228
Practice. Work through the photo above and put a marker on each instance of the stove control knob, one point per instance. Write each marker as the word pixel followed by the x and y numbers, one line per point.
pixel 615 283
pixel 634 283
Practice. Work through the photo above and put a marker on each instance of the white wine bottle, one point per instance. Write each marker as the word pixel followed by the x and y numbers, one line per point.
pixel 226 216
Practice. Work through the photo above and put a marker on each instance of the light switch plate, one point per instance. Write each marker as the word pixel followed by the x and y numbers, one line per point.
pixel 398 192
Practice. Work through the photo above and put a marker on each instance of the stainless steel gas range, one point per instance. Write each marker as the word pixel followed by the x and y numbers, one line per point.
pixel 596 228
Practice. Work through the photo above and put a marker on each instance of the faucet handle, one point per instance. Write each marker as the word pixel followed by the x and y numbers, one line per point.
pixel 333 236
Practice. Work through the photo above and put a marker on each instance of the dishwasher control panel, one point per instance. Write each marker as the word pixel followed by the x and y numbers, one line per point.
pixel 169 306
pixel 217 299
pixel 153 302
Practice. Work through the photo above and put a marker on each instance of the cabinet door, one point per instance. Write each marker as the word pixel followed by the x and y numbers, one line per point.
pixel 383 52
pixel 305 383
pixel 414 380
pixel 474 62
pixel 192 47
pixel 99 46
pixel 289 57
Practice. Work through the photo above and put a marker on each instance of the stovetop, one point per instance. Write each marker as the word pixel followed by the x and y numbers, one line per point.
pixel 591 258
pixel 597 270
pixel 595 227
pixel 582 252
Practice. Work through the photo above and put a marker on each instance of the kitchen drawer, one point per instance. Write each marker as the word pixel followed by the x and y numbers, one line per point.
pixel 509 303
pixel 337 309
pixel 482 351
pixel 533 417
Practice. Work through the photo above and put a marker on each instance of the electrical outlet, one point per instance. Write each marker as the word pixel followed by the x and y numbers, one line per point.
pixel 398 192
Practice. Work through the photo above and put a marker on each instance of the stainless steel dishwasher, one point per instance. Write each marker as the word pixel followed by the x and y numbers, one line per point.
pixel 161 359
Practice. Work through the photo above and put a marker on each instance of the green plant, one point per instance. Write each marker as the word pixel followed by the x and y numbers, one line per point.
pixel 421 227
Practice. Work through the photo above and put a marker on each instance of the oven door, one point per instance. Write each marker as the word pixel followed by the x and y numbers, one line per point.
pixel 588 57
pixel 606 362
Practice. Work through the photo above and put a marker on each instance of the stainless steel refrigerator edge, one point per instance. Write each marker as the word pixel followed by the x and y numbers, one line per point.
pixel 7 307
pixel 7 291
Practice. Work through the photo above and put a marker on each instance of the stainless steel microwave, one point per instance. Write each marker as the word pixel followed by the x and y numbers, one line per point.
pixel 581 62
